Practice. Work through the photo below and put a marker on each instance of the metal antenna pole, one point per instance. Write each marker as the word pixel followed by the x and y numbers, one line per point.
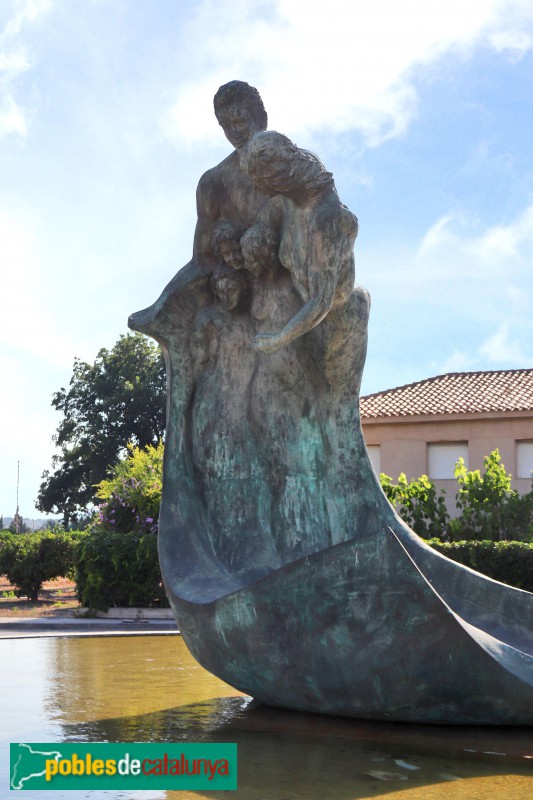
pixel 17 515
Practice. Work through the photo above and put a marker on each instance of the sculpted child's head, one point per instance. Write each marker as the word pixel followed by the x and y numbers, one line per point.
pixel 229 287
pixel 259 246
pixel 226 243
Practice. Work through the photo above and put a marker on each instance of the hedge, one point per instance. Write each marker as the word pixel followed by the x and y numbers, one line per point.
pixel 30 559
pixel 507 562
pixel 119 570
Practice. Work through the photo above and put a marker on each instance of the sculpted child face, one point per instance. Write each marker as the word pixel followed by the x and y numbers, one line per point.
pixel 259 246
pixel 229 292
pixel 254 256
pixel 226 243
pixel 230 250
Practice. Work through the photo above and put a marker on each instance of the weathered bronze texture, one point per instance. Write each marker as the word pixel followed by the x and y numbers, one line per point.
pixel 291 576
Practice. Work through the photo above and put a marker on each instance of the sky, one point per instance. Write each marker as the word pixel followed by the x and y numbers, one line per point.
pixel 422 111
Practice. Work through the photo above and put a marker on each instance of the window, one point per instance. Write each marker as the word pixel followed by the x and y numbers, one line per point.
pixel 374 451
pixel 442 459
pixel 524 459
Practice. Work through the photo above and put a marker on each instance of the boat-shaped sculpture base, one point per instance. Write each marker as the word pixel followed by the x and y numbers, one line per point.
pixel 362 630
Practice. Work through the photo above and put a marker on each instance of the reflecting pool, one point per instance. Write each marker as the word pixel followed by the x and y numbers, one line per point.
pixel 150 689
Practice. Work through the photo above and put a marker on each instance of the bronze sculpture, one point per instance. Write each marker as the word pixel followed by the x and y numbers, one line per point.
pixel 291 576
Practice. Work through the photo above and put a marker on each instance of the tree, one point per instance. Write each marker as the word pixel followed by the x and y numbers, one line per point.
pixel 131 496
pixel 490 508
pixel 418 503
pixel 118 399
pixel 28 561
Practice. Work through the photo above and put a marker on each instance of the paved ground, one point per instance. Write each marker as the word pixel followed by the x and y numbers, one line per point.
pixel 23 627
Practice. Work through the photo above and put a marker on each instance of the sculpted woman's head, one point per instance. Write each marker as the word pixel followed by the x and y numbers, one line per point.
pixel 277 166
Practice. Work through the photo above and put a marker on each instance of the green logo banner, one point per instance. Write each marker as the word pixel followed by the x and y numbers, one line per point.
pixel 123 766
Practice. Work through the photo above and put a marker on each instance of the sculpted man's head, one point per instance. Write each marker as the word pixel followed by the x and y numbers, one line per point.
pixel 240 111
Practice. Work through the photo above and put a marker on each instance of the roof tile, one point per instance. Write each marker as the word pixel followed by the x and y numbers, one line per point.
pixel 454 393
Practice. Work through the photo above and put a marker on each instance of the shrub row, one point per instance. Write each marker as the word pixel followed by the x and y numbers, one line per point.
pixel 507 562
pixel 114 569
pixel 120 570
pixel 30 559
pixel 110 569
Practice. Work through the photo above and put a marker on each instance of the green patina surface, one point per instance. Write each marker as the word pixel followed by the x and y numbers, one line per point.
pixel 291 576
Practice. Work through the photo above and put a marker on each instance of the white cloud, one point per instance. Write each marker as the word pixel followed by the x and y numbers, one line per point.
pixel 12 118
pixel 503 242
pixel 500 347
pixel 24 11
pixel 349 66
pixel 440 235
pixel 465 294
pixel 514 43
pixel 14 60
pixel 500 247
pixel 519 298
pixel 12 63
pixel 459 361
pixel 26 325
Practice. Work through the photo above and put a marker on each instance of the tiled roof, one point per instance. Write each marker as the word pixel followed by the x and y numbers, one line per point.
pixel 454 393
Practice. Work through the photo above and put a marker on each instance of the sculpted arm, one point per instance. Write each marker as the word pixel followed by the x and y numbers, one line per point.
pixel 309 316
pixel 319 291
pixel 199 266
pixel 203 258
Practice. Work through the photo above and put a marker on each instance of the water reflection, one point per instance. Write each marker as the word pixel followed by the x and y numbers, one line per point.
pixel 301 756
pixel 124 677
pixel 150 689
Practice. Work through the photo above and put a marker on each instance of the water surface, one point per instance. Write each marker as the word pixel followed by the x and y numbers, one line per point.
pixel 149 688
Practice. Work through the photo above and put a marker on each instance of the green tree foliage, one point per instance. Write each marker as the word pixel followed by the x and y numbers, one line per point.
pixel 117 563
pixel 30 559
pixel 418 503
pixel 7 550
pixel 132 494
pixel 489 507
pixel 118 399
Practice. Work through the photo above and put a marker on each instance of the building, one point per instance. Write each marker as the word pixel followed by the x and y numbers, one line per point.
pixel 424 427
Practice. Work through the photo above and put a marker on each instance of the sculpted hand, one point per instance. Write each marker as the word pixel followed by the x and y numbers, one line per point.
pixel 267 342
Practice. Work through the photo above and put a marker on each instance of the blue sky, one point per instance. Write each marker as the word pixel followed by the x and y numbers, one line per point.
pixel 423 112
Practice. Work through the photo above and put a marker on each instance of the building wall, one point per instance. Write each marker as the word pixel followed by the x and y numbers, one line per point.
pixel 403 445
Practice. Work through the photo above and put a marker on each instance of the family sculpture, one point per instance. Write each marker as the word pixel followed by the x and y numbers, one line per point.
pixel 290 575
